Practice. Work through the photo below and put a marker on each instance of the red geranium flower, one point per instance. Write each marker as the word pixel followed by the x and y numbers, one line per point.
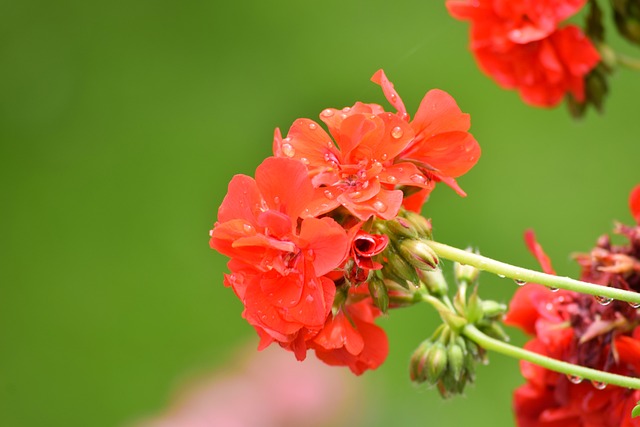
pixel 519 44
pixel 350 338
pixel 376 153
pixel 278 262
pixel 634 203
pixel 496 22
pixel 543 71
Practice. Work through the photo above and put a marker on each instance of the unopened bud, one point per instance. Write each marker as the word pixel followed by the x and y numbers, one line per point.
pixel 627 17
pixel 419 254
pixel 494 330
pixel 434 281
pixel 417 364
pixel 465 273
pixel 399 270
pixel 420 224
pixel 493 309
pixel 378 292
pixel 436 361
pixel 474 307
pixel 455 359
pixel 400 228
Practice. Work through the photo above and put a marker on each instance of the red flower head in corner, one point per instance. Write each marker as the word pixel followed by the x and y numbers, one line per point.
pixel 593 332
pixel 520 45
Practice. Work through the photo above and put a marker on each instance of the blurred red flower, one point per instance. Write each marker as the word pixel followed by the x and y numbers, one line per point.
pixel 520 45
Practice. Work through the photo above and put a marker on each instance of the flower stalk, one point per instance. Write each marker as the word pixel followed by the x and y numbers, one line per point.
pixel 471 332
pixel 530 276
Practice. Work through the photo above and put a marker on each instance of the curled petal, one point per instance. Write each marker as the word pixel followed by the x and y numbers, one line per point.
pixel 390 93
pixel 538 252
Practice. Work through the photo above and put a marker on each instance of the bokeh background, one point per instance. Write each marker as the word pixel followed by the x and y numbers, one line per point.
pixel 121 124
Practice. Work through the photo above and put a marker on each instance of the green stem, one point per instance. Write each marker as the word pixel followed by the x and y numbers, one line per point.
pixel 471 332
pixel 525 275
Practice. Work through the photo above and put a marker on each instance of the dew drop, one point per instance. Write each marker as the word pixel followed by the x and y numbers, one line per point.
pixel 397 132
pixel 276 200
pixel 329 195
pixel 309 298
pixel 603 300
pixel 384 157
pixel 346 109
pixel 356 195
pixel 304 160
pixel 520 282
pixel 210 232
pixel 248 228
pixel 362 174
pixel 599 385
pixel 502 276
pixel 635 304
pixel 392 179
pixel 379 206
pixel 548 306
pixel 552 289
pixel 574 379
pixel 288 150
pixel 327 113
pixel 417 178
pixel 313 126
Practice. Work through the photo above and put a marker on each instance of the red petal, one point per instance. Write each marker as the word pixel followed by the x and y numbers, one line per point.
pixel 242 200
pixel 629 351
pixel 634 203
pixel 538 252
pixel 523 308
pixel 327 240
pixel 282 291
pixel 415 201
pixel 390 93
pixel 338 333
pixel 439 112
pixel 307 140
pixel 385 205
pixel 449 154
pixel 277 177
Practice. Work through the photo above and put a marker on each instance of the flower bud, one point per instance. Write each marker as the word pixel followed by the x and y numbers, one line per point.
pixel 493 309
pixel 436 362
pixel 465 273
pixel 420 224
pixel 378 292
pixel 455 360
pixel 417 363
pixel 434 281
pixel 627 17
pixel 419 254
pixel 398 269
pixel 400 228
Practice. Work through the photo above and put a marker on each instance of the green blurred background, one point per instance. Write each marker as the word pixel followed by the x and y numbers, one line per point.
pixel 121 124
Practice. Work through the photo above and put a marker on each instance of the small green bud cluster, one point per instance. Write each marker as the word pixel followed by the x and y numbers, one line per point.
pixel 447 361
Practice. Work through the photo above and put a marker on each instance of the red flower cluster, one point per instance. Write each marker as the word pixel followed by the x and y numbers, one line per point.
pixel 294 234
pixel 520 45
pixel 593 332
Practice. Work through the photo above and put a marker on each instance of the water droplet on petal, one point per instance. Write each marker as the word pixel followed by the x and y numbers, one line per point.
pixel 635 304
pixel 327 113
pixel 276 200
pixel 417 178
pixel 309 298
pixel 346 109
pixel 520 282
pixel 304 160
pixel 603 300
pixel 397 132
pixel 384 157
pixel 356 195
pixel 288 150
pixel 599 385
pixel 313 126
pixel 392 179
pixel 548 306
pixel 210 232
pixel 574 379
pixel 248 228
pixel 502 276
pixel 362 174
pixel 329 195
pixel 379 206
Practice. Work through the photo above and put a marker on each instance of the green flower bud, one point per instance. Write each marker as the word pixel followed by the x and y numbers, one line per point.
pixel 398 269
pixel 434 282
pixel 419 254
pixel 420 224
pixel 493 309
pixel 378 292
pixel 465 273
pixel 400 228
pixel 436 362
pixel 417 363
pixel 455 359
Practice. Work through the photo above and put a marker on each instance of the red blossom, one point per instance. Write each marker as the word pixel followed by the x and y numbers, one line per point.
pixel 370 155
pixel 350 338
pixel 520 45
pixel 278 262
pixel 634 203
